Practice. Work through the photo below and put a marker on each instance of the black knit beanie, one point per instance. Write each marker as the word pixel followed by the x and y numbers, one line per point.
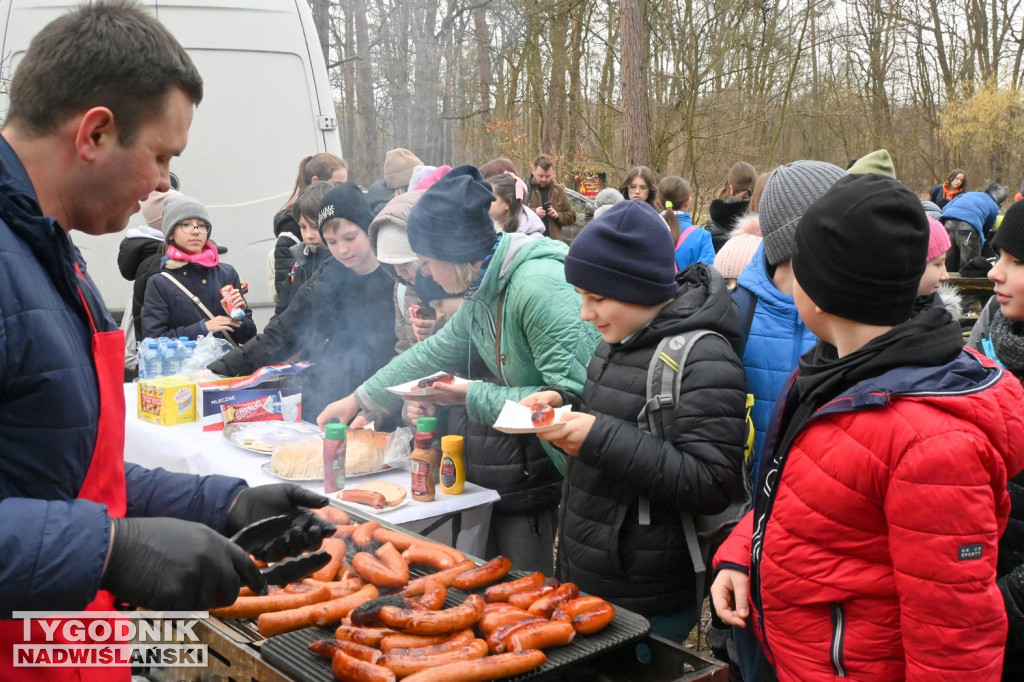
pixel 451 221
pixel 627 254
pixel 859 250
pixel 1010 235
pixel 345 201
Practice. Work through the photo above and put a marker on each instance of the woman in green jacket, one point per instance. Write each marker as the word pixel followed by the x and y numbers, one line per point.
pixel 520 315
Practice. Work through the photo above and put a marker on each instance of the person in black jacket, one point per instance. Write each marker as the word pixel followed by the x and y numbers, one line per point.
pixel 620 530
pixel 318 167
pixel 312 252
pixel 138 255
pixel 732 203
pixel 342 319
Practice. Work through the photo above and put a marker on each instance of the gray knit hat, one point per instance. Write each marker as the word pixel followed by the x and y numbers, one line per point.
pixel 788 193
pixel 605 199
pixel 179 208
pixel 932 210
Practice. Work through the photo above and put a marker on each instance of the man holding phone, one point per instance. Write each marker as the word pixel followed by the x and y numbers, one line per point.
pixel 547 197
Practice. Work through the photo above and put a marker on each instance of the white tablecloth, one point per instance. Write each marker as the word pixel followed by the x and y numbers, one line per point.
pixel 188 449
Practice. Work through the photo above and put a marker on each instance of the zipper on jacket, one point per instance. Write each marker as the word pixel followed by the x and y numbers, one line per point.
pixel 838 634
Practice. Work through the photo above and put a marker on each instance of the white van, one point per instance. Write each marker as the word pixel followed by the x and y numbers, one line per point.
pixel 267 104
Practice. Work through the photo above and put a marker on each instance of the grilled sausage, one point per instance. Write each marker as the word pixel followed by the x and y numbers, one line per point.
pixel 493 571
pixel 482 669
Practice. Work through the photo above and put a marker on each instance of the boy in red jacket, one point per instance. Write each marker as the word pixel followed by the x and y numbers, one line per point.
pixel 871 551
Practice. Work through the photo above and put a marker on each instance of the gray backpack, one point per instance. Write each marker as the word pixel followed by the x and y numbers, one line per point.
pixel 704 533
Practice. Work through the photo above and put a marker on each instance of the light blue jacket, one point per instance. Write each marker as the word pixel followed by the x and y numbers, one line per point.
pixel 777 339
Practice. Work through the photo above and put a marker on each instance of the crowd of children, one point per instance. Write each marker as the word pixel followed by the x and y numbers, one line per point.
pixel 885 460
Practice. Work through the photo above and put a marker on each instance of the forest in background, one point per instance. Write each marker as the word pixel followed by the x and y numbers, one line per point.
pixel 687 87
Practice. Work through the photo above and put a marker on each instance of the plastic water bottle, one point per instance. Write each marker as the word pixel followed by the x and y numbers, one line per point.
pixel 184 353
pixel 171 358
pixel 149 360
pixel 190 349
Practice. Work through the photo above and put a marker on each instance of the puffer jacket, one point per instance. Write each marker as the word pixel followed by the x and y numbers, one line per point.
pixel 167 311
pixel 339 321
pixel 878 559
pixel 54 545
pixel 977 209
pixel 777 339
pixel 516 466
pixel 139 243
pixel 289 234
pixel 307 259
pixel 603 545
pixel 543 340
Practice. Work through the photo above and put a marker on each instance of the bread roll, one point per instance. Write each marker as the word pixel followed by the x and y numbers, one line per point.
pixel 393 493
pixel 300 459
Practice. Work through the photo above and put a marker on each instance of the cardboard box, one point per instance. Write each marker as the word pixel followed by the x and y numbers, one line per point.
pixel 167 401
pixel 252 398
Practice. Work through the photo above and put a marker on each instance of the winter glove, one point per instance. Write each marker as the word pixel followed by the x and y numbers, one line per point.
pixel 307 531
pixel 174 565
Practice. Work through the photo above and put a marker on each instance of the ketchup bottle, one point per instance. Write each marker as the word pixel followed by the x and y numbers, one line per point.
pixel 334 457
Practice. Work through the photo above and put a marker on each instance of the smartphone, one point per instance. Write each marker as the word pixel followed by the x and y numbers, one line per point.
pixel 547 206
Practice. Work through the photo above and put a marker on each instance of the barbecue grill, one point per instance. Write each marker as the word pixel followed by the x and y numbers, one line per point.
pixel 624 651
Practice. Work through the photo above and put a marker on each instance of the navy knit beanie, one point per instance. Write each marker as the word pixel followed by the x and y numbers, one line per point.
pixel 627 254
pixel 345 201
pixel 451 221
pixel 859 251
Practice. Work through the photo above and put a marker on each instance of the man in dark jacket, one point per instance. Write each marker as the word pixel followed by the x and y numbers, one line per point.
pixel 79 526
pixel 546 196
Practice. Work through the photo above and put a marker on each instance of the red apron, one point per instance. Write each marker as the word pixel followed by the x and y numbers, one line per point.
pixel 105 484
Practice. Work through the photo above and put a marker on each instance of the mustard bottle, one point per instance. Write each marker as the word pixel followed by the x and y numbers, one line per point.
pixel 453 466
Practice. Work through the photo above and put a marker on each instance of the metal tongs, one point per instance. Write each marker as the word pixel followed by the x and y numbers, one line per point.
pixel 278 536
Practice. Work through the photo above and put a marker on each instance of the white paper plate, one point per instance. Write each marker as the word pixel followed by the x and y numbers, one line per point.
pixel 367 508
pixel 515 418
pixel 268 468
pixel 405 390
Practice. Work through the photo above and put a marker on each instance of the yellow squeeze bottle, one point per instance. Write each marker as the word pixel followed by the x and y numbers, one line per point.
pixel 453 466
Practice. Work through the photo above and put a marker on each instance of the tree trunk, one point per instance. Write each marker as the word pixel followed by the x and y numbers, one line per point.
pixel 365 107
pixel 483 61
pixel 636 117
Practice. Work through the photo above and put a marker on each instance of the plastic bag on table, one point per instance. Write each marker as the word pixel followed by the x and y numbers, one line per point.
pixel 398 449
pixel 208 349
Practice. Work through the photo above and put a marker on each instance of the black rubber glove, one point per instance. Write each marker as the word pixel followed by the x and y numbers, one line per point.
pixel 307 531
pixel 174 565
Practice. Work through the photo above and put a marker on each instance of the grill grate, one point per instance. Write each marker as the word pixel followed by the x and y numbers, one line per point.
pixel 290 653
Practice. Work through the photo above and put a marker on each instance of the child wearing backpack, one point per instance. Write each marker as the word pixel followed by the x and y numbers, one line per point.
pixel 621 533
pixel 871 549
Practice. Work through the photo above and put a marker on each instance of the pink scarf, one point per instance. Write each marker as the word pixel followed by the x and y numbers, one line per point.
pixel 208 257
